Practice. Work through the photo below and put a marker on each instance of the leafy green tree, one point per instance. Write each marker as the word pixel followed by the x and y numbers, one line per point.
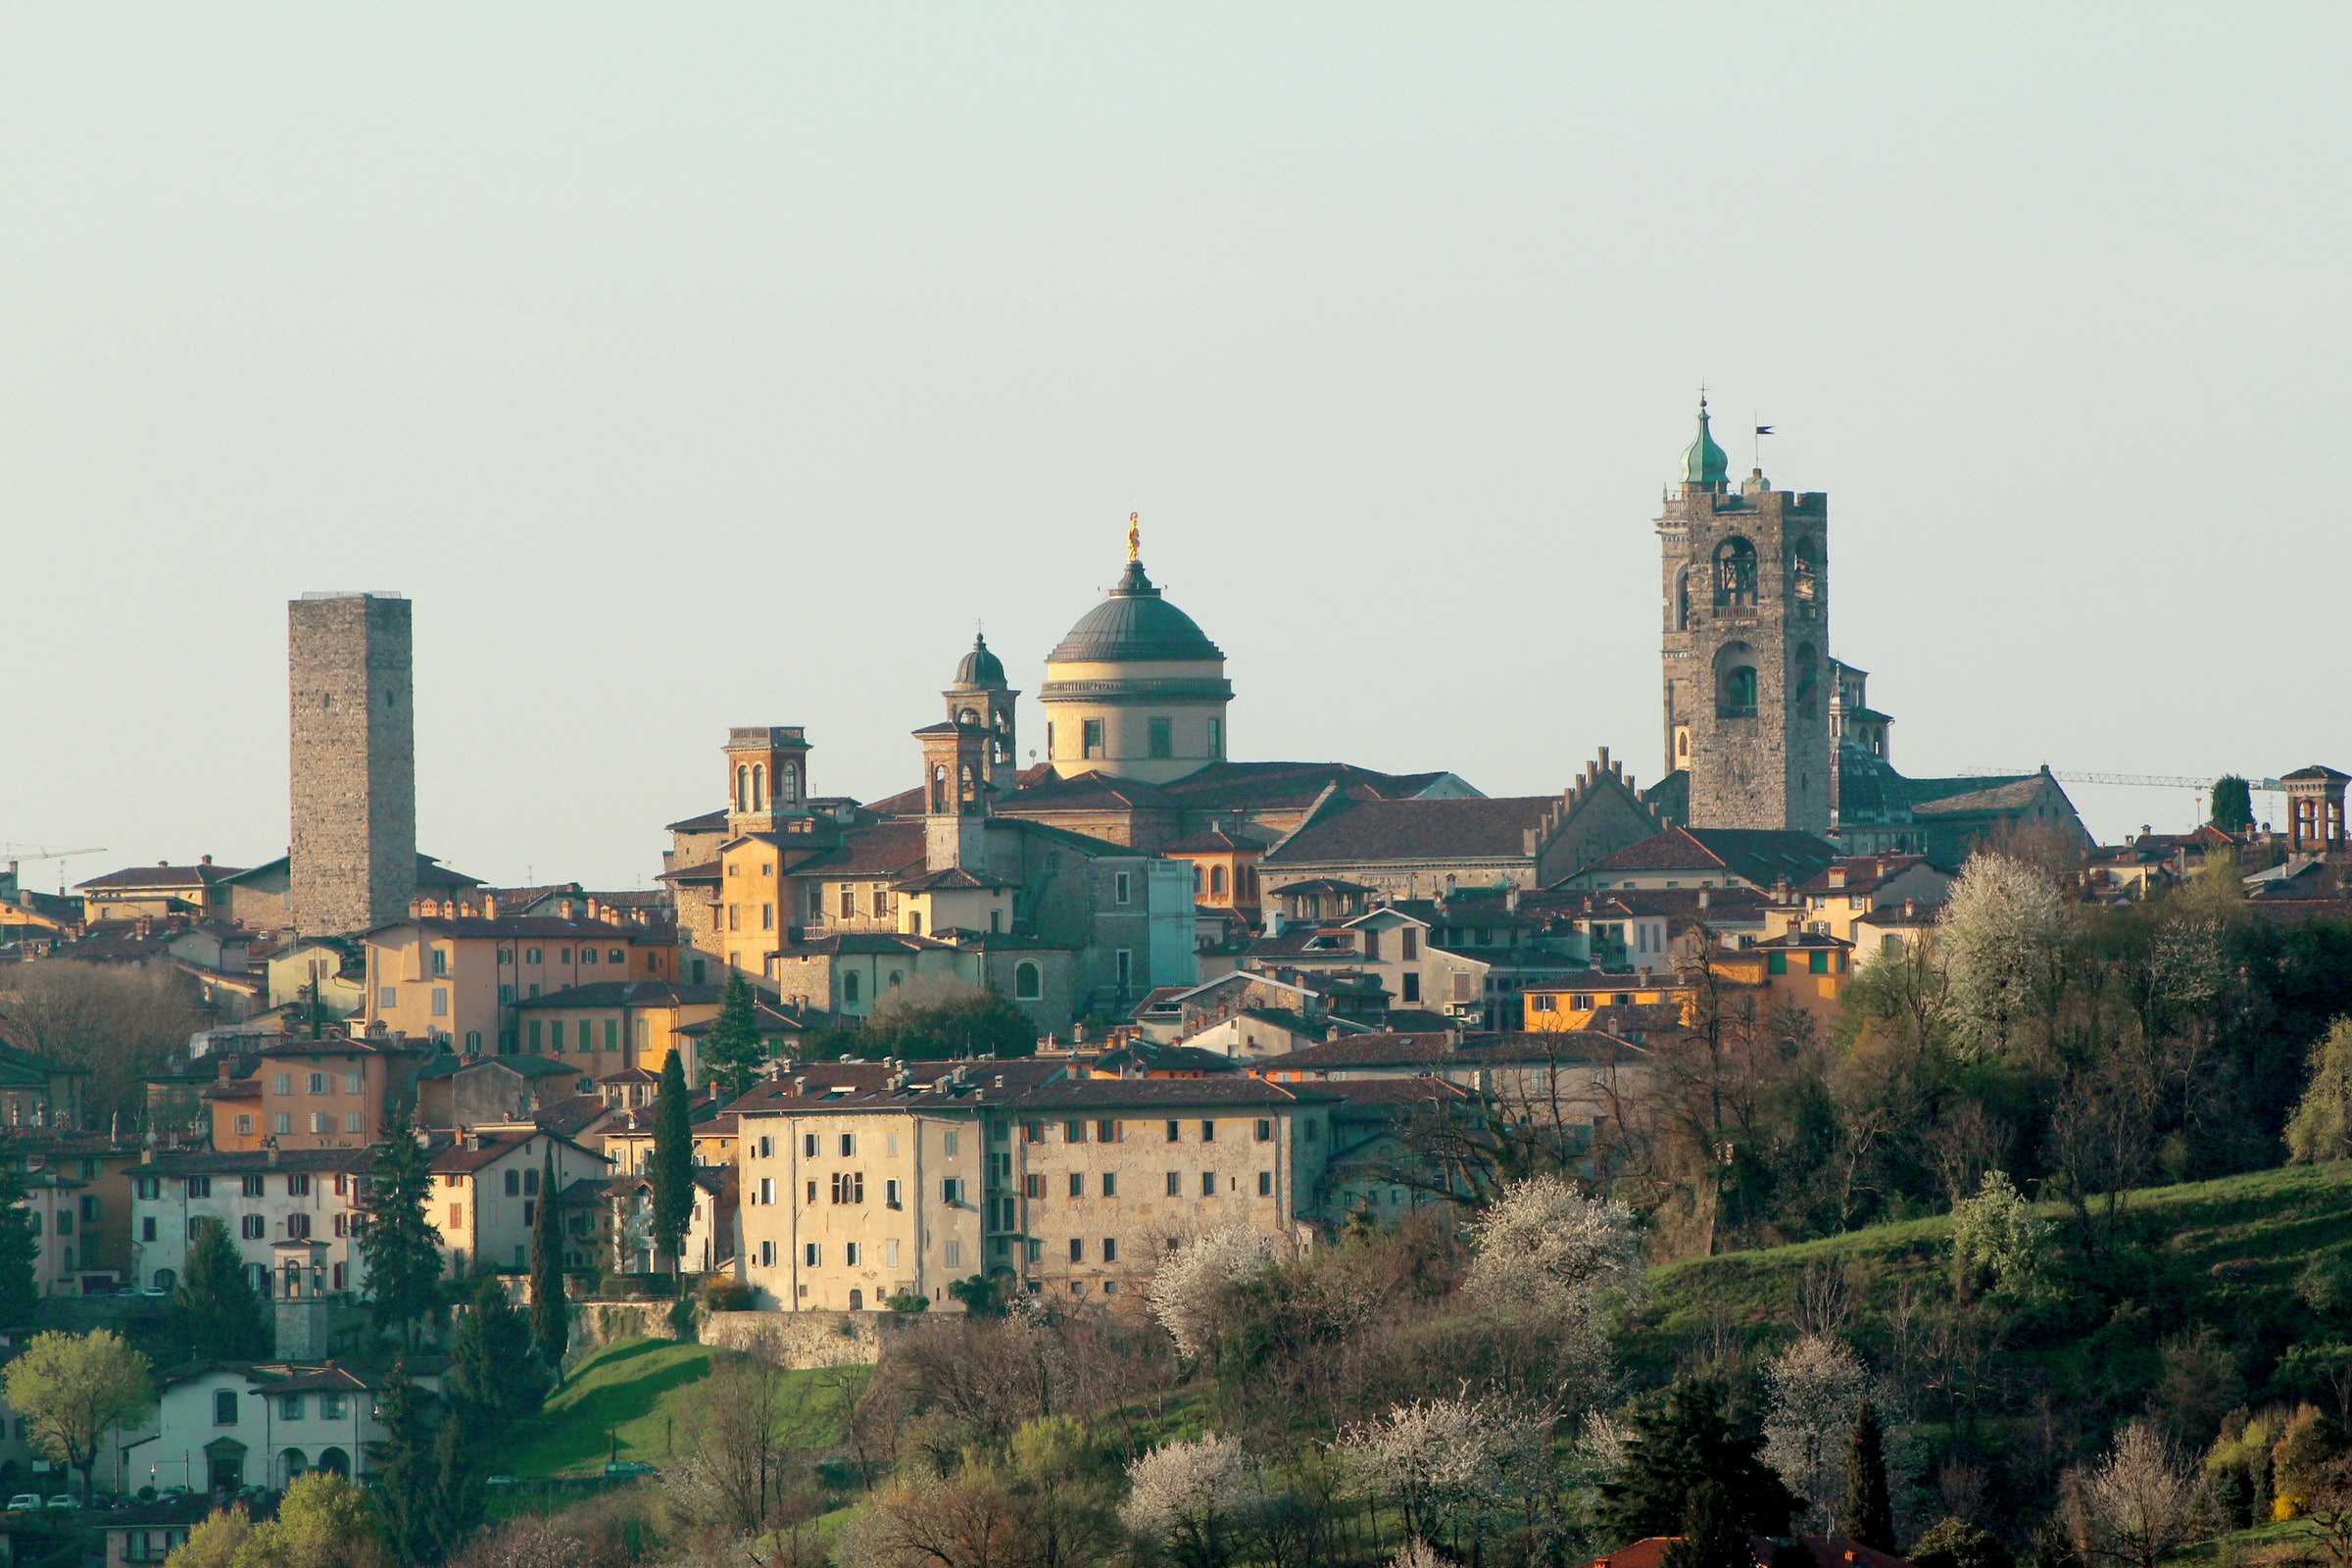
pixel 1712 1533
pixel 1868 1511
pixel 495 1377
pixel 2322 1125
pixel 733 1054
pixel 323 1520
pixel 938 1022
pixel 401 1247
pixel 2232 803
pixel 18 1250
pixel 551 1313
pixel 1682 1439
pixel 214 1311
pixel 1954 1543
pixel 73 1388
pixel 406 1476
pixel 672 1171
pixel 215 1541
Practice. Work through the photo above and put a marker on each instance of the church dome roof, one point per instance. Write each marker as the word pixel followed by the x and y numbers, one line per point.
pixel 980 667
pixel 1134 625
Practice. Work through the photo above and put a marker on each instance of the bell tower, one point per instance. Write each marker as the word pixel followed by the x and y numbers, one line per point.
pixel 980 697
pixel 767 779
pixel 1745 578
pixel 956 796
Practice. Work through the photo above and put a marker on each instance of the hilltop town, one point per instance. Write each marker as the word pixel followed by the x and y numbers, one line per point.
pixel 1155 1087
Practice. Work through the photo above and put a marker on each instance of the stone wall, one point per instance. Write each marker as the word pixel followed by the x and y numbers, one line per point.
pixel 796 1339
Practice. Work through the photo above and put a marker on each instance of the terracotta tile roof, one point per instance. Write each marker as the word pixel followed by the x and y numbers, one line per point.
pixel 1760 856
pixel 875 849
pixel 161 877
pixel 1416 830
pixel 627 994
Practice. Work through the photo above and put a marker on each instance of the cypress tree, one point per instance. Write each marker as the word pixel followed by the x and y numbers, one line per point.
pixel 672 1172
pixel 494 1380
pixel 406 1473
pixel 2232 803
pixel 550 1325
pixel 19 1296
pixel 457 1492
pixel 1869 1515
pixel 733 1054
pixel 401 1247
pixel 214 1312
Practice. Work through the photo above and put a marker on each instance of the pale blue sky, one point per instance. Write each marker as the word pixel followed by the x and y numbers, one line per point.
pixel 700 366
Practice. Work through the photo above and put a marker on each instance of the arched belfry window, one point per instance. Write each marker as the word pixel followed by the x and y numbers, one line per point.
pixel 939 788
pixel 965 715
pixel 743 789
pixel 1735 574
pixel 1736 682
pixel 1804 572
pixel 1682 600
pixel 788 784
pixel 967 787
pixel 759 786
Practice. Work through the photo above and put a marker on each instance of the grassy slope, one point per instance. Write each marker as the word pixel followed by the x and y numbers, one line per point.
pixel 2280 1218
pixel 642 1392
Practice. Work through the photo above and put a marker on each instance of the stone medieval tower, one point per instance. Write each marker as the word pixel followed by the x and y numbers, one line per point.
pixel 354 743
pixel 1746 646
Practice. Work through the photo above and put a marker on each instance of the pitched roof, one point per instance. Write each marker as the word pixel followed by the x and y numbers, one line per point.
pixel 1760 856
pixel 1863 874
pixel 1215 839
pixel 627 994
pixel 707 822
pixel 1158 1093
pixel 954 879
pixel 522 925
pixel 1936 796
pixel 873 850
pixel 1474 829
pixel 473 1151
pixel 166 875
pixel 1578 1047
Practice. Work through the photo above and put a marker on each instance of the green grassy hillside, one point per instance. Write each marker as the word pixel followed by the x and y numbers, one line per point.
pixel 639 1395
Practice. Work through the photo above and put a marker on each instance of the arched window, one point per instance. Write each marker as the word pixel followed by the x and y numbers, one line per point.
pixel 1736 682
pixel 336 1462
pixel 967 788
pixel 295 1461
pixel 939 788
pixel 788 784
pixel 1806 679
pixel 1736 575
pixel 1682 600
pixel 164 1279
pixel 1216 881
pixel 857 1301
pixel 1805 571
pixel 966 715
pixel 759 786
pixel 896 979
pixel 849 987
pixel 1197 882
pixel 1027 984
pixel 743 789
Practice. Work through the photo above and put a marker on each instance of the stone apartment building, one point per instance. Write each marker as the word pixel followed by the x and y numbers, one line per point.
pixel 458 980
pixel 332 1092
pixel 279 1208
pixel 856 1190
pixel 486 1191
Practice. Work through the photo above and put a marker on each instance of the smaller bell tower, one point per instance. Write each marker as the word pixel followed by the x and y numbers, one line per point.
pixel 767 780
pixel 956 796
pixel 980 697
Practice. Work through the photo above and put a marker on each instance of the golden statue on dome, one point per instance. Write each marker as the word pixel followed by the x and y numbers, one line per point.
pixel 1135 536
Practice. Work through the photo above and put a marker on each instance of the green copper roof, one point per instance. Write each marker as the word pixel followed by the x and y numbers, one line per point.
pixel 1704 462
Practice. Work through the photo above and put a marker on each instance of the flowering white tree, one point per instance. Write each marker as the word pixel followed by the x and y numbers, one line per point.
pixel 1438 1460
pixel 1188 1498
pixel 2140 1503
pixel 1419 1553
pixel 2001 935
pixel 1997 1235
pixel 1816 1388
pixel 1546 1251
pixel 1184 1287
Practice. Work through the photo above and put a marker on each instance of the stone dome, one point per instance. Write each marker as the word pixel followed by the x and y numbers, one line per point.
pixel 980 667
pixel 1136 626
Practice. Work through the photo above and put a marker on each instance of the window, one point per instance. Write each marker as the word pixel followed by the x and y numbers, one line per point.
pixel 1119 889
pixel 245 1123
pixel 1175 1184
pixel 253 1226
pixel 1073 1132
pixel 1077 1184
pixel 1266 1184
pixel 1265 1129
pixel 316 1083
pixel 531 1034
pixel 810 1254
pixel 330 1405
pixel 890 1192
pixel 1111 1251
pixel 850 1253
pixel 767 1191
pixel 765 1146
pixel 849 1187
pixel 809 1146
pixel 849 987
pixel 848 1144
pixel 1410 940
pixel 350 1122
pixel 555 1035
pixel 530 1181
pixel 1776 964
pixel 147 1229
pixel 620 955
pixel 1027 982
pixel 1111 1184
pixel 317 1121
pixel 1033 1185
pixel 1208 1132
pixel 950 1190
pixel 357 1083
pixel 440 1001
pixel 1033 1132
pixel 587 955
pixel 1089 737
pixel 1216 737
pixel 1412 986
pixel 249 1186
pixel 224 1407
pixel 1077 1249
pixel 387 998
pixel 1208 1185
pixel 949 1142
pixel 1818 961
pixel 282 1083
pixel 1216 881
pixel 890 1253
pixel 768 1254
pixel 513 1183
pixel 532 955
pixel 955 1254
pixel 1736 575
pixel 1036 1250
pixel 151 1186
pixel 1162 737
pixel 281 1121
pixel 457 1216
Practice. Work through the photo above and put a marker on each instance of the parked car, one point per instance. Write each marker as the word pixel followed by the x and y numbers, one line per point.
pixel 630 1467
pixel 23 1500
pixel 63 1501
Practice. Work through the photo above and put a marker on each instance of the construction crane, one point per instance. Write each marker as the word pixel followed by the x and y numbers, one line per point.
pixel 2199 787
pixel 15 853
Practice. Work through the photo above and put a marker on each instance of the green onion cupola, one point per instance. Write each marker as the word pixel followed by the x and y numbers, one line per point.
pixel 1704 462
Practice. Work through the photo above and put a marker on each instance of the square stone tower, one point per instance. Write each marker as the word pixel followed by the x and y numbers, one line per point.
pixel 350 686
pixel 1746 646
